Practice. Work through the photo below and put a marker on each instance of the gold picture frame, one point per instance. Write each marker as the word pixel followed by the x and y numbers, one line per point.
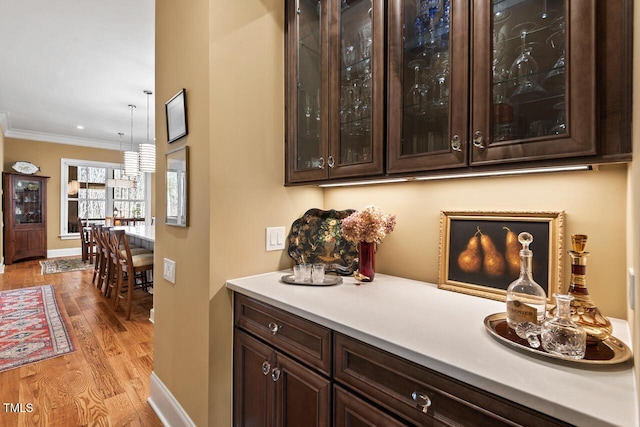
pixel 459 272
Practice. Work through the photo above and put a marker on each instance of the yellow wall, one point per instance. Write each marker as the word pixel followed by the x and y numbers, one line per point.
pixel 594 203
pixel 47 156
pixel 236 176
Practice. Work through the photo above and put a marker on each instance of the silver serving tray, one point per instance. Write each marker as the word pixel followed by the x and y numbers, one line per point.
pixel 611 351
pixel 328 281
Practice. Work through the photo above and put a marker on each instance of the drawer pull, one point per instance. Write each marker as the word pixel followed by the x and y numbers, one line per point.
pixel 422 401
pixel 274 327
pixel 266 367
pixel 275 374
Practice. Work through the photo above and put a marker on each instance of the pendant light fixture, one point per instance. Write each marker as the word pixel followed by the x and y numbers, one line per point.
pixel 147 151
pixel 131 166
pixel 120 182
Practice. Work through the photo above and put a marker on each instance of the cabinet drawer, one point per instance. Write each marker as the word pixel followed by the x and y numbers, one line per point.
pixel 305 340
pixel 396 384
pixel 351 411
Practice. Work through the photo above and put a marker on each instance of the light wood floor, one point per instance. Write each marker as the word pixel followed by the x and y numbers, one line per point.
pixel 105 382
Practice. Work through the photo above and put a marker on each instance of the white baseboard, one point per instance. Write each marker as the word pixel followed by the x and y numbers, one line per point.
pixel 151 315
pixel 166 406
pixel 57 253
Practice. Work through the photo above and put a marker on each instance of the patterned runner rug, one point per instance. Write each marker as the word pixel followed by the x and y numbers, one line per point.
pixel 62 265
pixel 31 327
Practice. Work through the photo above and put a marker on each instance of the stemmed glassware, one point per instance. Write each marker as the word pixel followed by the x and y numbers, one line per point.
pixel 416 96
pixel 525 68
pixel 555 78
pixel 440 68
pixel 308 109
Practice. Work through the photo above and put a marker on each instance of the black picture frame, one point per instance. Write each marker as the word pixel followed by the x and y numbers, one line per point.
pixel 458 228
pixel 176 109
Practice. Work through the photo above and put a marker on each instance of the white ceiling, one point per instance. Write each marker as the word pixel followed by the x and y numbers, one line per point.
pixel 65 63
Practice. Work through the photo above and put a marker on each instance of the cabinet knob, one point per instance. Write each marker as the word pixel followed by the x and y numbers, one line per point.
pixel 331 162
pixel 456 144
pixel 275 374
pixel 478 140
pixel 266 367
pixel 274 328
pixel 422 401
pixel 321 163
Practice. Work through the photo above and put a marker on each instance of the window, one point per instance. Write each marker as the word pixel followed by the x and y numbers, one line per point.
pixel 84 194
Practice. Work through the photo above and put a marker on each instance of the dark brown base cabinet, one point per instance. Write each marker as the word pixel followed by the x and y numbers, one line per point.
pixel 358 385
pixel 25 216
pixel 271 388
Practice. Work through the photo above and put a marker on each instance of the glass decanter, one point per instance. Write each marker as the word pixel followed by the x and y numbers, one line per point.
pixel 583 311
pixel 560 335
pixel 526 300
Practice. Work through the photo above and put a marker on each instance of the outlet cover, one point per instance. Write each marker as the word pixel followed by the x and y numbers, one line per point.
pixel 275 238
pixel 169 270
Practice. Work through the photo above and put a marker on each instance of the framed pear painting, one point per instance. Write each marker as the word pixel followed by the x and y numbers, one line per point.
pixel 480 252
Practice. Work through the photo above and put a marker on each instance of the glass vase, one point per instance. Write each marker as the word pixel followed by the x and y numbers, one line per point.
pixel 560 335
pixel 366 261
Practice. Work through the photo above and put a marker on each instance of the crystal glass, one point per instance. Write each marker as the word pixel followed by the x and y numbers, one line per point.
pixel 526 300
pixel 317 273
pixel 525 68
pixel 417 94
pixel 560 335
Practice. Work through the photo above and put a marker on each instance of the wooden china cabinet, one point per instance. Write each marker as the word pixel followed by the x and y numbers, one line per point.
pixel 455 84
pixel 25 216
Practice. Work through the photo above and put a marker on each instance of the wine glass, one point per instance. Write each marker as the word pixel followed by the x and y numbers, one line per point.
pixel 559 126
pixel 555 78
pixel 546 14
pixel 440 67
pixel 416 96
pixel 308 108
pixel 525 68
pixel 500 12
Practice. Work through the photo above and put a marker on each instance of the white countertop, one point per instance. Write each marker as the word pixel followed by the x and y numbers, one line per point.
pixel 444 331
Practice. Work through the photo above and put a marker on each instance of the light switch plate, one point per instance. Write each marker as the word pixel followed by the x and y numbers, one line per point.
pixel 169 270
pixel 275 238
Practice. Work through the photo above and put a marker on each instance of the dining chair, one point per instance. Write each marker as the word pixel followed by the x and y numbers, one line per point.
pixel 95 237
pixel 117 251
pixel 85 240
pixel 132 272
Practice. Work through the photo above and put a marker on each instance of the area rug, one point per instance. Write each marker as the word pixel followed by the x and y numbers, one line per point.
pixel 32 328
pixel 63 265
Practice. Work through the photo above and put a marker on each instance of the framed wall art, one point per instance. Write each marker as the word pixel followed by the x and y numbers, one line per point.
pixel 177 187
pixel 176 109
pixel 480 252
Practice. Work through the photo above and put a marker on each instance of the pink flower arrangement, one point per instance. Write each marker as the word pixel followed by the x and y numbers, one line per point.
pixel 368 225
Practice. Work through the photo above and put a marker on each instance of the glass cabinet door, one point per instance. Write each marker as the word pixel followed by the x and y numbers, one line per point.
pixel 534 80
pixel 307 90
pixel 427 84
pixel 357 84
pixel 27 199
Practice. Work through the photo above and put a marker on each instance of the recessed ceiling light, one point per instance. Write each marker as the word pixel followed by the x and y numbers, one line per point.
pixel 80 127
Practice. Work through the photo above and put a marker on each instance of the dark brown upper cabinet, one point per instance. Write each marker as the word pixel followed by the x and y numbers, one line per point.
pixel 455 84
pixel 335 89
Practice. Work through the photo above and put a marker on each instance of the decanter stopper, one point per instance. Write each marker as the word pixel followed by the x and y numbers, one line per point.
pixel 583 311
